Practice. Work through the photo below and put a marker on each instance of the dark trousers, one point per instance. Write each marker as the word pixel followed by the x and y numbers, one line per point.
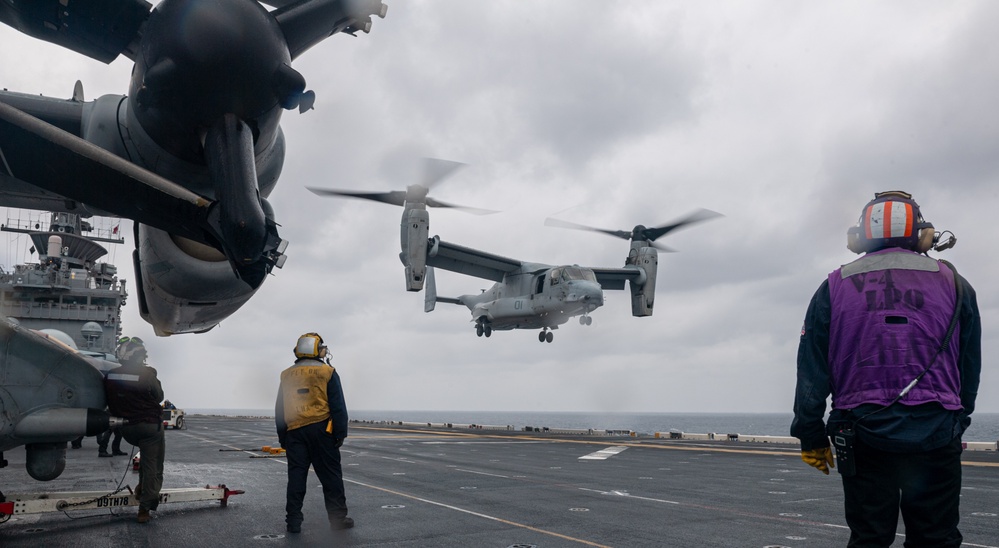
pixel 104 437
pixel 311 445
pixel 925 486
pixel 148 437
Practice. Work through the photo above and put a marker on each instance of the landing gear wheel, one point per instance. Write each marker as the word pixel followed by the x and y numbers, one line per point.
pixel 487 330
pixel 541 337
pixel 589 320
pixel 478 329
pixel 549 336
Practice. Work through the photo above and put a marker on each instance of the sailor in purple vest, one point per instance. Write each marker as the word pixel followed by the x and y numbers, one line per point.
pixel 895 338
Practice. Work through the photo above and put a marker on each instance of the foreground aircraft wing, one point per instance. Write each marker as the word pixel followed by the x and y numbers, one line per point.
pixel 471 262
pixel 65 114
pixel 614 278
pixel 42 160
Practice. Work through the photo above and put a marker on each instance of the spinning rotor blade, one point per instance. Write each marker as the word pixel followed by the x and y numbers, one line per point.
pixel 640 232
pixel 434 172
pixel 623 234
pixel 395 197
pixel 652 234
pixel 433 202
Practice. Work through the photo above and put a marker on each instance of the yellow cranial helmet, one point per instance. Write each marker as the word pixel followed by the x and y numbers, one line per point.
pixel 310 345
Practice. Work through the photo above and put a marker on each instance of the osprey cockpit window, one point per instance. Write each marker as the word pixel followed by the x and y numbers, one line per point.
pixel 577 273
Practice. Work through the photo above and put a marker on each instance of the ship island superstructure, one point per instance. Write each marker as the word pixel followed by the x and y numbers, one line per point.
pixel 69 290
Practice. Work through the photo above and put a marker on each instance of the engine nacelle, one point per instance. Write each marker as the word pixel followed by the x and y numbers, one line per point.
pixel 184 286
pixel 414 232
pixel 643 294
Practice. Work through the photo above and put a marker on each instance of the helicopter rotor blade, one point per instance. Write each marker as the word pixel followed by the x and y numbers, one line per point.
pixel 640 232
pixel 436 170
pixel 395 197
pixel 652 234
pixel 623 234
pixel 433 202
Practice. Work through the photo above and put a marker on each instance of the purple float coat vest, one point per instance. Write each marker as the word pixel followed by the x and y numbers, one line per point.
pixel 890 313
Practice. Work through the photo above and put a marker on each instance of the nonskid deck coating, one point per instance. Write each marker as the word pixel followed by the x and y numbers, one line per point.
pixel 417 487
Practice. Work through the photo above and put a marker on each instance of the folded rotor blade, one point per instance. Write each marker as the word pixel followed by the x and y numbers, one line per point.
pixel 394 197
pixel 305 24
pixel 100 29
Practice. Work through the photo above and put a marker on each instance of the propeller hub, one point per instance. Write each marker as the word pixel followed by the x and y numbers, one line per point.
pixel 199 61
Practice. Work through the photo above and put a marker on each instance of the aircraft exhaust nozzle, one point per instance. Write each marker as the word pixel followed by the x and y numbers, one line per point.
pixel 59 424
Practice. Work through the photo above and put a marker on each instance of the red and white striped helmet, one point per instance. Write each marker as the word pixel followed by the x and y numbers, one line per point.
pixel 891 219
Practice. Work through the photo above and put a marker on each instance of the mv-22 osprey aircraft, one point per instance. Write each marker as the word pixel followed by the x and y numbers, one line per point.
pixel 190 154
pixel 526 295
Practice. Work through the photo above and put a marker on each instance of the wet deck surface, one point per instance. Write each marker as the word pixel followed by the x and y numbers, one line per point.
pixel 420 487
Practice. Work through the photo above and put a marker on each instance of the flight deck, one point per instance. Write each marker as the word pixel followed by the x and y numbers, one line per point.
pixel 418 487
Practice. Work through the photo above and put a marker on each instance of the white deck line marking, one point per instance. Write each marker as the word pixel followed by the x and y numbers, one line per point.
pixel 625 494
pixel 603 454
pixel 477 514
pixel 482 473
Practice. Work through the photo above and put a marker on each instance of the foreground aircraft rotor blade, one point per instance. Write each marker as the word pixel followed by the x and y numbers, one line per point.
pixel 98 29
pixel 306 23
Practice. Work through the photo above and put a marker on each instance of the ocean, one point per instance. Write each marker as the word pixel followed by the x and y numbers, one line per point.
pixel 984 426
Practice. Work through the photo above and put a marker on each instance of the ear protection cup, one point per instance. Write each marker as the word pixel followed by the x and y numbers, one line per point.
pixel 310 345
pixel 926 239
pixel 855 242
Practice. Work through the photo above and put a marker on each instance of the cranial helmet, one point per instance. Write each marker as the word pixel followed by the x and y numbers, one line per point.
pixel 310 345
pixel 891 219
pixel 131 350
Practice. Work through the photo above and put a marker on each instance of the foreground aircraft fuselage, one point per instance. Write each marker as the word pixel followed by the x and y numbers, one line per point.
pixel 193 151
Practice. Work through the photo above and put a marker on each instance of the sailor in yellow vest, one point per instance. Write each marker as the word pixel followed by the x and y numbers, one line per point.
pixel 311 418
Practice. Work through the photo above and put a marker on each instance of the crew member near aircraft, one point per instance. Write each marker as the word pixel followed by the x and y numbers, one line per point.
pixel 895 338
pixel 311 418
pixel 134 394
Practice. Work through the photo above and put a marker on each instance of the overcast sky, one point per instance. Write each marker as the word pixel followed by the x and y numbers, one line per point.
pixel 786 117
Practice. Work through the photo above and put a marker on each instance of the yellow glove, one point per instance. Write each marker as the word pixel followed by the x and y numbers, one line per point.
pixel 819 458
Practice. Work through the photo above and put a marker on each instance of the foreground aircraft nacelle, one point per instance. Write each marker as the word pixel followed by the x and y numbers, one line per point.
pixel 193 151
pixel 51 394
